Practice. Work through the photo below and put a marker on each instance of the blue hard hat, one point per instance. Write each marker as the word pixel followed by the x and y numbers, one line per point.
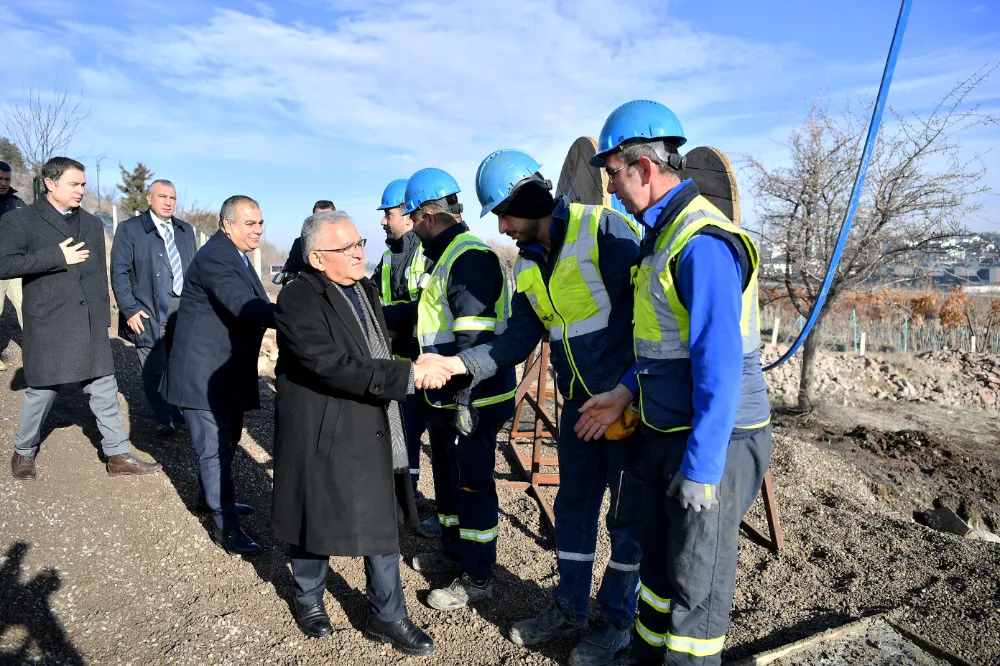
pixel 393 194
pixel 639 119
pixel 499 173
pixel 428 185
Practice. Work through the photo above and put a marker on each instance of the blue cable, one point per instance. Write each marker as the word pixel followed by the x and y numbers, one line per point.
pixel 859 181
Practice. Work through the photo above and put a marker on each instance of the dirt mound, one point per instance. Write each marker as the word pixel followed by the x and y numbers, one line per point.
pixel 949 378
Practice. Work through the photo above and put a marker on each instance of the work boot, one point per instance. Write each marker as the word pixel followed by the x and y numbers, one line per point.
pixel 600 646
pixel 463 591
pixel 553 622
pixel 22 467
pixel 405 636
pixel 127 464
pixel 434 563
pixel 431 527
pixel 3 366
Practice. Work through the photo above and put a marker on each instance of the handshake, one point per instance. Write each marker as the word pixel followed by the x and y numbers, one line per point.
pixel 432 371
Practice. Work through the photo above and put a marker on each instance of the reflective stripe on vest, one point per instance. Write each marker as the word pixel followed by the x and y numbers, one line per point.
pixel 662 323
pixel 436 325
pixel 413 273
pixel 575 301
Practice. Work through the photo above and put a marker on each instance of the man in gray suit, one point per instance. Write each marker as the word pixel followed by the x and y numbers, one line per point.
pixel 149 258
pixel 67 312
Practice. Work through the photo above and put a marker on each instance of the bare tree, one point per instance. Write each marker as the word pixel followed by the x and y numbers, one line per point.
pixel 921 187
pixel 42 125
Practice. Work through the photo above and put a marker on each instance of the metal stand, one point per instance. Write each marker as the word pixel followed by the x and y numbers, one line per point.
pixel 777 540
pixel 533 392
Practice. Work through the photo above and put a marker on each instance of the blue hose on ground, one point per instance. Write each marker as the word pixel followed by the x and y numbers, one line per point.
pixel 859 181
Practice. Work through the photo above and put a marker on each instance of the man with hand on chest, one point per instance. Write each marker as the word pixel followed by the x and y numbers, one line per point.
pixel 67 312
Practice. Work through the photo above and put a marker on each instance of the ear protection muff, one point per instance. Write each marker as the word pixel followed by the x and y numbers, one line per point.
pixel 676 162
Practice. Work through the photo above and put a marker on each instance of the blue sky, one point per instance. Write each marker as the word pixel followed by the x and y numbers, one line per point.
pixel 300 100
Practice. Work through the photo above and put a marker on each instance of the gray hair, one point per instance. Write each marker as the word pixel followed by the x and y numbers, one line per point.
pixel 658 153
pixel 315 223
pixel 164 182
pixel 228 211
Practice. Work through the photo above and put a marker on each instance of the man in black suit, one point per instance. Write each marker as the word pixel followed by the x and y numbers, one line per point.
pixel 149 256
pixel 57 248
pixel 212 366
pixel 341 474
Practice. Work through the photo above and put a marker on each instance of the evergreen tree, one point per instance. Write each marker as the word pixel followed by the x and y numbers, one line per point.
pixel 11 154
pixel 134 186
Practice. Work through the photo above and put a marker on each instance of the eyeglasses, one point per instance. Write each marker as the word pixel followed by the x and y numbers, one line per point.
pixel 359 245
pixel 611 172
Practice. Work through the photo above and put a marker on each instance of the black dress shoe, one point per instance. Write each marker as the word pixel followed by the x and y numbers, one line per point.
pixel 405 636
pixel 241 509
pixel 165 431
pixel 313 620
pixel 235 542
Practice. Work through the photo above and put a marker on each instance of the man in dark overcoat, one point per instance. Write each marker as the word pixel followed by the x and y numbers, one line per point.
pixel 212 365
pixel 57 248
pixel 341 476
pixel 149 256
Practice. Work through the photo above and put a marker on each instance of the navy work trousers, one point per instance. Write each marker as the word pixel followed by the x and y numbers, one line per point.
pixel 586 469
pixel 466 495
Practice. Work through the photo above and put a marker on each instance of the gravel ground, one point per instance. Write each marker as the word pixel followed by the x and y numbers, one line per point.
pixel 119 571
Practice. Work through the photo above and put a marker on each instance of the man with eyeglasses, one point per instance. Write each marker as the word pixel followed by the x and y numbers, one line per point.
pixel 573 277
pixel 706 428
pixel 464 301
pixel 397 277
pixel 340 464
pixel 212 366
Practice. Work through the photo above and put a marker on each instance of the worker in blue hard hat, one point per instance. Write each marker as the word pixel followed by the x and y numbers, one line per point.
pixel 398 276
pixel 573 277
pixel 706 427
pixel 463 302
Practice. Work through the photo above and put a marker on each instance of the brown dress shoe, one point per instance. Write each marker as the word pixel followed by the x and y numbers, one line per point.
pixel 127 464
pixel 22 467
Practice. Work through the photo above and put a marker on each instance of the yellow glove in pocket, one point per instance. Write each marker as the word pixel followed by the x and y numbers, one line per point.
pixel 625 425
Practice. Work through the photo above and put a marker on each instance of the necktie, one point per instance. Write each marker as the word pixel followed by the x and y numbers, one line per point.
pixel 174 257
pixel 246 262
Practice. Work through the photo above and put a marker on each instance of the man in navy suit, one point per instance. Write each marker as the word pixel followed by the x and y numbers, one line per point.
pixel 149 257
pixel 212 366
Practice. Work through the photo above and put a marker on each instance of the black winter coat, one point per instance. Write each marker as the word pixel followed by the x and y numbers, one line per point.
pixel 67 309
pixel 335 492
pixel 10 202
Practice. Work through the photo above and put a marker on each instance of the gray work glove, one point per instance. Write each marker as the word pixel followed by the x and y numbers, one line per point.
pixel 693 495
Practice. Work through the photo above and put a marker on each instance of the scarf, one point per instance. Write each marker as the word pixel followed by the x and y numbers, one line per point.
pixel 378 347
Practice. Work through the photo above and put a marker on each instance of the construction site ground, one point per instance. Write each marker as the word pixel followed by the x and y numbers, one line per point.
pixel 95 570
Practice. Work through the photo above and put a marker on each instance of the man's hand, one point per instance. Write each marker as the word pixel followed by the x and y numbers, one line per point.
pixel 453 365
pixel 693 495
pixel 429 377
pixel 601 411
pixel 73 255
pixel 135 322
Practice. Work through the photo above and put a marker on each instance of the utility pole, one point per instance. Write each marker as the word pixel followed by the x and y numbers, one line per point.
pixel 99 180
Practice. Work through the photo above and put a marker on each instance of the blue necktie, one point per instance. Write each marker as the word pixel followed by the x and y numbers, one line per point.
pixel 174 257
pixel 246 262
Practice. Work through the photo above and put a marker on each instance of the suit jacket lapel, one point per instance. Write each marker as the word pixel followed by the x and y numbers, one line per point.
pixel 53 217
pixel 345 310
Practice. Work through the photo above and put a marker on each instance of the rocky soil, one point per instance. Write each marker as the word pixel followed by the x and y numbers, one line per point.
pixel 949 378
pixel 95 570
